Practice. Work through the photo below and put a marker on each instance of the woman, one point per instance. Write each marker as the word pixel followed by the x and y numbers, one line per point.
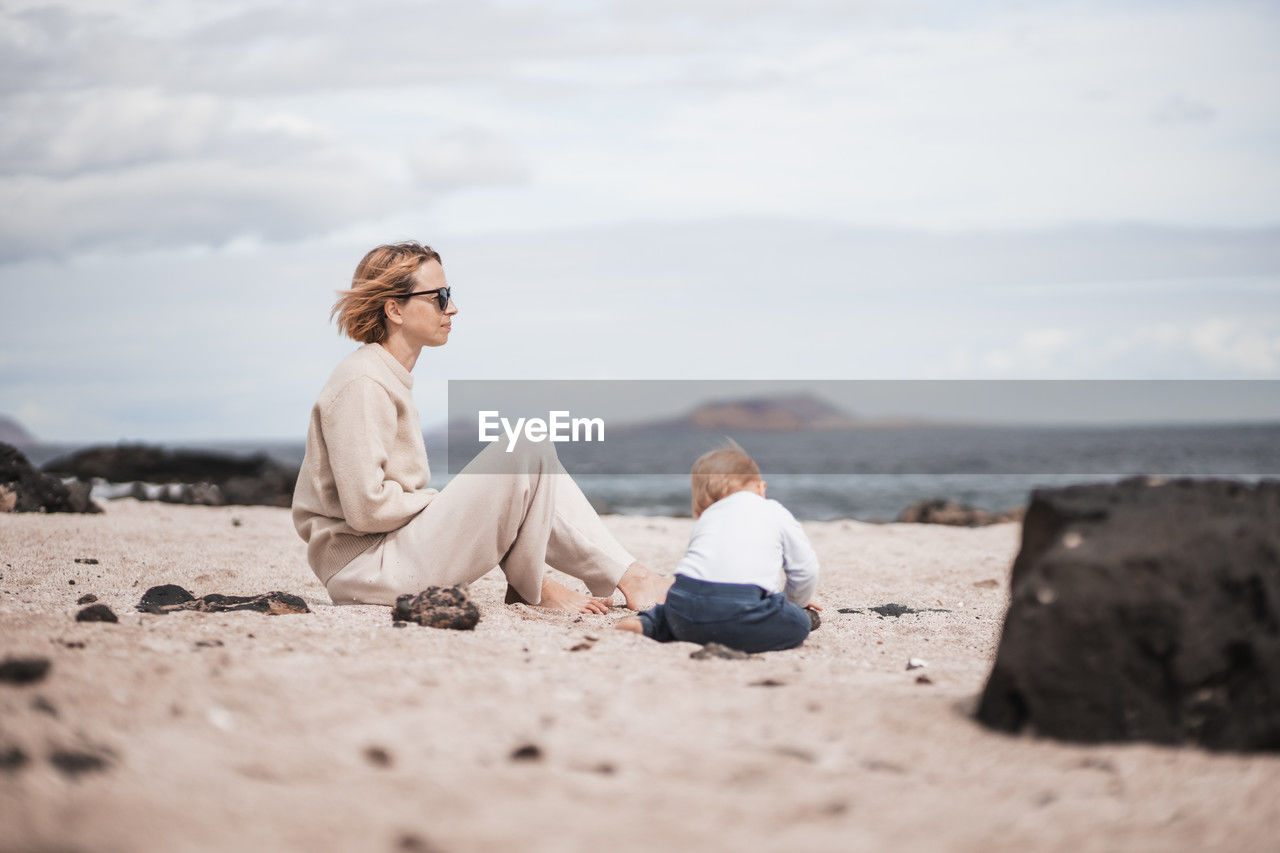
pixel 373 529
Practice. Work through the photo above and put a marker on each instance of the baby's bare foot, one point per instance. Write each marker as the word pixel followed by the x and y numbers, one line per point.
pixel 642 588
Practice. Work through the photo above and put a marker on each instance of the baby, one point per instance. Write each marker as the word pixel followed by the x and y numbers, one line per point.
pixel 729 587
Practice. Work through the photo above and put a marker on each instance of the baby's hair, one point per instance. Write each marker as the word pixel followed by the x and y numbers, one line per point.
pixel 720 473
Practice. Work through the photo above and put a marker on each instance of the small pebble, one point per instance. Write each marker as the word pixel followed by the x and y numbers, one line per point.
pixel 12 759
pixel 916 663
pixel 528 752
pixel 73 763
pixel 377 756
pixel 88 598
pixel 96 613
pixel 23 670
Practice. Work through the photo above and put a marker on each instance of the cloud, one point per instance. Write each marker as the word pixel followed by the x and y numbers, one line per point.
pixel 1213 348
pixel 1232 345
pixel 138 169
pixel 1179 109
pixel 466 158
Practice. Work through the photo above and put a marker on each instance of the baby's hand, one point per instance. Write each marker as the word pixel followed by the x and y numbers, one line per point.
pixel 814 604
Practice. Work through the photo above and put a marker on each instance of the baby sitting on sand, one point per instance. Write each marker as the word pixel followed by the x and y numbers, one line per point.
pixel 729 586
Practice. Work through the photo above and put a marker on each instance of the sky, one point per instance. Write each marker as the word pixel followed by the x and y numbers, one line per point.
pixel 748 190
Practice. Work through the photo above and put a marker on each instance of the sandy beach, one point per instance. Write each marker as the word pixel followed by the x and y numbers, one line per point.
pixel 336 730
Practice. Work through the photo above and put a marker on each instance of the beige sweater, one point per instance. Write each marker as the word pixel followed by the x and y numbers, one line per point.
pixel 365 470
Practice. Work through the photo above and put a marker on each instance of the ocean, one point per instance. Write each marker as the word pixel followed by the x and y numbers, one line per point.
pixel 873 474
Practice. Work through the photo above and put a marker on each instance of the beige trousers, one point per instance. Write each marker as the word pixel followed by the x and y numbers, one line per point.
pixel 523 519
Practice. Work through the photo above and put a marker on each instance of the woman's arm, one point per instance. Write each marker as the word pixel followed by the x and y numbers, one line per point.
pixel 359 426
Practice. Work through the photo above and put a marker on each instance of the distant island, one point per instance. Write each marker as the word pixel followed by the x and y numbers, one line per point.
pixel 788 413
pixel 12 432
pixel 783 413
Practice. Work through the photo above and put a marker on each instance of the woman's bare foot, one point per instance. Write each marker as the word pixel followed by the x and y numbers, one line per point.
pixel 558 597
pixel 631 623
pixel 642 588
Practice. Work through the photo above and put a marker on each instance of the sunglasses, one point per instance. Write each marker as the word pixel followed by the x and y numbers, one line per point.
pixel 442 295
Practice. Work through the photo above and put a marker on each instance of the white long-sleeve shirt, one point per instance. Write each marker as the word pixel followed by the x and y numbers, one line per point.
pixel 745 538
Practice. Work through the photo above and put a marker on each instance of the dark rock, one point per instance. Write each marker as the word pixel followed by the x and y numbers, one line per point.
pixel 96 613
pixel 768 682
pixel 204 477
pixel 939 511
pixel 171 597
pixel 163 596
pixel 923 679
pixel 815 619
pixel 715 650
pixel 377 756
pixel 88 598
pixel 208 644
pixel 13 759
pixel 415 843
pixel 73 762
pixel 88 561
pixel 896 610
pixel 1145 610
pixel 848 610
pixel 438 607
pixel 27 490
pixel 23 670
pixel 528 752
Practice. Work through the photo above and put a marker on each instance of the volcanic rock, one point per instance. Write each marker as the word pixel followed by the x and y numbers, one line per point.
pixel 96 613
pixel 24 489
pixel 166 595
pixel 171 597
pixel 438 607
pixel 527 752
pixel 74 762
pixel 23 670
pixel 198 476
pixel 1145 610
pixel 13 758
pixel 939 511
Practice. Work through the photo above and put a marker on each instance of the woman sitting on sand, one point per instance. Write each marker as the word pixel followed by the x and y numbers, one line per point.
pixel 373 529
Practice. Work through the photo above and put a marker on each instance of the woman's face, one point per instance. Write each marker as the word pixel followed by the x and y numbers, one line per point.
pixel 424 323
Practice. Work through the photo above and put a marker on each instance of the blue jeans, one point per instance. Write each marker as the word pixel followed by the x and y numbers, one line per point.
pixel 741 616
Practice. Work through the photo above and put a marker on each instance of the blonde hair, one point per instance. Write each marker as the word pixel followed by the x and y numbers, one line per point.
pixel 384 273
pixel 719 474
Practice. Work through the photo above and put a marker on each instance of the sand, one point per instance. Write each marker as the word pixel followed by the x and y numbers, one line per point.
pixel 336 730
